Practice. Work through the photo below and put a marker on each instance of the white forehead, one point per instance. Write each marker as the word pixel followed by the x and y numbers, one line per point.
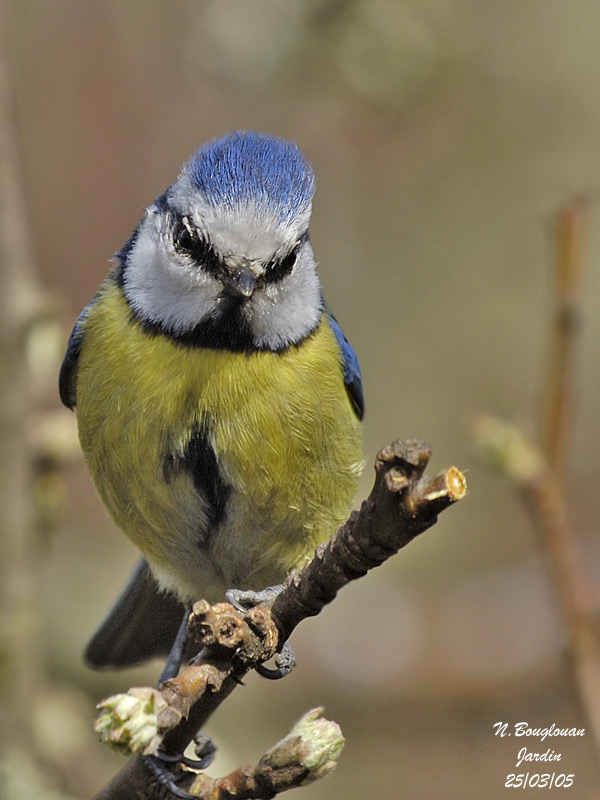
pixel 248 228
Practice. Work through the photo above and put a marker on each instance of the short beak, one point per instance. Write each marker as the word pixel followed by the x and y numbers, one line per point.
pixel 239 281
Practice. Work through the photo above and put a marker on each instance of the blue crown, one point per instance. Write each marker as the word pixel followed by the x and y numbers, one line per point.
pixel 246 166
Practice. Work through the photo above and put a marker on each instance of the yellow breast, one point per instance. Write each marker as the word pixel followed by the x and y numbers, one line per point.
pixel 285 437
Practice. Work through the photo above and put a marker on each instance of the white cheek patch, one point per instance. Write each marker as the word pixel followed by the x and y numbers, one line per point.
pixel 288 310
pixel 162 287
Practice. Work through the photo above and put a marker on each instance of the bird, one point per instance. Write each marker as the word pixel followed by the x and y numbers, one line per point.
pixel 218 401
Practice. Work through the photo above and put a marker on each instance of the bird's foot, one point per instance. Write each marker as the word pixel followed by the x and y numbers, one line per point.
pixel 285 662
pixel 244 600
pixel 160 764
pixel 163 775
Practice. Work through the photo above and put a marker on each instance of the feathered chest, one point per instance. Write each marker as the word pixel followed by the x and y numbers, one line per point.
pixel 130 378
pixel 253 456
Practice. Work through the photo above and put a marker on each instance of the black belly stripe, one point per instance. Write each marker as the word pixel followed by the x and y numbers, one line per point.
pixel 199 461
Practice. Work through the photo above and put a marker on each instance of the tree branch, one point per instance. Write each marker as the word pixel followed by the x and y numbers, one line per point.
pixel 539 470
pixel 404 502
pixel 570 230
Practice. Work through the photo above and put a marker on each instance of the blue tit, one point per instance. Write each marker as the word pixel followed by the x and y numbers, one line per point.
pixel 218 401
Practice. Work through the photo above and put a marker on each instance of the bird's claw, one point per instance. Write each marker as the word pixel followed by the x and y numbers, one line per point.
pixel 244 600
pixel 285 662
pixel 205 750
pixel 164 776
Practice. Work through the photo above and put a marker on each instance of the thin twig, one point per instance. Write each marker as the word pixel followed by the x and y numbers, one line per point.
pixel 540 470
pixel 570 245
pixel 547 497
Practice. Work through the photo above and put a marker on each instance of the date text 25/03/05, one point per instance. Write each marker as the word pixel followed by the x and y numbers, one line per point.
pixel 541 781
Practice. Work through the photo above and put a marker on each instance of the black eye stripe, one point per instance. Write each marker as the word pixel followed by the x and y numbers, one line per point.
pixel 184 239
pixel 278 269
pixel 187 240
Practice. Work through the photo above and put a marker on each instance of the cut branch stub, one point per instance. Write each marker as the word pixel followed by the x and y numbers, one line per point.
pixel 403 503
pixel 247 638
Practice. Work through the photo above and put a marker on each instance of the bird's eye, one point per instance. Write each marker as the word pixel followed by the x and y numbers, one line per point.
pixel 187 241
pixel 288 262
pixel 276 270
pixel 184 240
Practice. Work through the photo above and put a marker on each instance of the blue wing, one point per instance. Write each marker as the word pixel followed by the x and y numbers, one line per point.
pixel 352 374
pixel 68 370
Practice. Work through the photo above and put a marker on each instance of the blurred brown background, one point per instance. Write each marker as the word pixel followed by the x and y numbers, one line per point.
pixel 444 134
